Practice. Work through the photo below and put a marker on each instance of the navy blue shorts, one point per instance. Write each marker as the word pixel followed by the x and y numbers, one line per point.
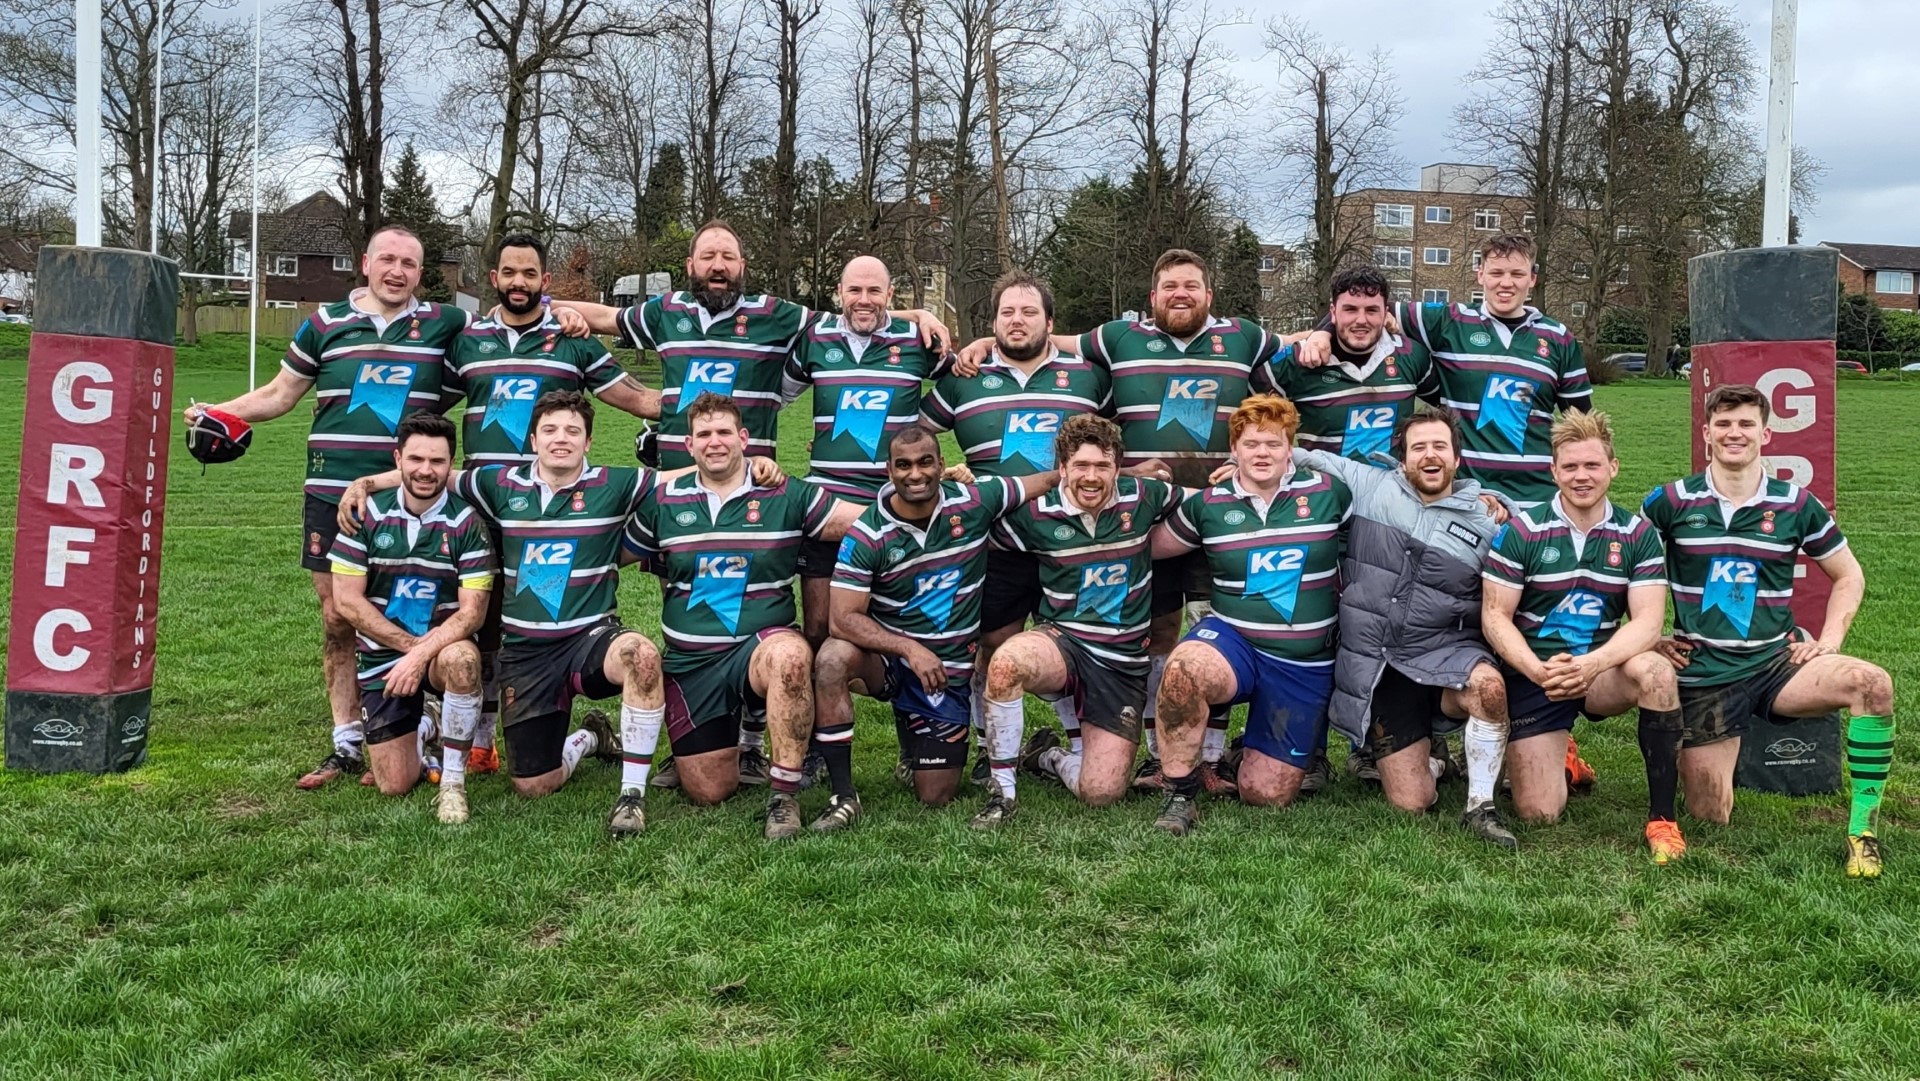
pixel 909 699
pixel 1532 713
pixel 1287 720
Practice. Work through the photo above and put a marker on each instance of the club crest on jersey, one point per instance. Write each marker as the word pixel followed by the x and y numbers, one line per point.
pixel 1189 402
pixel 1613 553
pixel 893 354
pixel 1029 433
pixel 1234 517
pixel 1301 508
pixel 579 502
pixel 720 583
pixel 1575 620
pixel 1543 350
pixel 410 605
pixel 753 512
pixel 1766 522
pixel 835 355
pixel 1156 345
pixel 544 570
pixel 1218 345
pixel 861 412
pixel 1274 574
pixel 1103 589
pixel 488 347
pixel 685 517
pixel 1732 588
pixel 933 596
pixel 413 332
pixel 1060 380
pixel 510 407
pixel 739 326
pixel 958 530
pixel 1126 521
pixel 1480 339
pixel 381 387
pixel 1369 429
pixel 992 382
pixel 683 325
pixel 1505 403
pixel 707 376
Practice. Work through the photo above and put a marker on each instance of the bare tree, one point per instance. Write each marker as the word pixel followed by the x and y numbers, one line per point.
pixel 790 21
pixel 715 45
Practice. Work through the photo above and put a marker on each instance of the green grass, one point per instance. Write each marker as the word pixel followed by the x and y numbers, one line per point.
pixel 198 918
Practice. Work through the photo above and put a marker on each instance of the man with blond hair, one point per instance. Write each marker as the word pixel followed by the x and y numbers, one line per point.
pixel 1572 599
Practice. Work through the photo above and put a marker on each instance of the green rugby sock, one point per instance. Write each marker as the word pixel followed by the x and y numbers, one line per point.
pixel 1869 758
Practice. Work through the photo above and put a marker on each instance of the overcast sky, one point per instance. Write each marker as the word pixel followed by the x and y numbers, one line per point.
pixel 1855 105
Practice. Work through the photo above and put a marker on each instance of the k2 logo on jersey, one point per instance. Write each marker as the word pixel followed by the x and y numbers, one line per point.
pixel 1103 589
pixel 1274 573
pixel 862 413
pixel 382 386
pixel 410 605
pixel 1575 620
pixel 720 583
pixel 1029 434
pixel 510 407
pixel 703 376
pixel 544 570
pixel 933 595
pixel 1369 429
pixel 1732 587
pixel 1189 402
pixel 1505 403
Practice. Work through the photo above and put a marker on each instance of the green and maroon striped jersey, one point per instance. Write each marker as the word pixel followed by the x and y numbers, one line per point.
pixel 1172 398
pixel 924 584
pixel 1573 589
pixel 366 375
pixel 728 563
pixel 1352 410
pixel 559 549
pixel 414 568
pixel 1005 421
pixel 864 390
pixel 1096 570
pixel 501 372
pixel 741 353
pixel 1504 384
pixel 1275 568
pixel 1731 570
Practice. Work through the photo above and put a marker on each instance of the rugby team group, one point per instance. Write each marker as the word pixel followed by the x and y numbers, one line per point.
pixel 1393 526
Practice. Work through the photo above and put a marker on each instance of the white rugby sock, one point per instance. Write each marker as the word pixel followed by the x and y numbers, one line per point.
pixel 1006 729
pixel 639 735
pixel 350 739
pixel 1156 669
pixel 1486 745
pixel 753 730
pixel 1213 745
pixel 977 706
pixel 1064 709
pixel 459 713
pixel 484 730
pixel 578 745
pixel 1064 765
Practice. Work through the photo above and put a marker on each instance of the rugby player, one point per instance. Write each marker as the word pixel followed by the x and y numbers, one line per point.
pixel 1272 536
pixel 728 548
pixel 501 365
pixel 1733 534
pixel 1410 646
pixel 1089 536
pixel 906 608
pixel 1572 599
pixel 414 584
pixel 370 359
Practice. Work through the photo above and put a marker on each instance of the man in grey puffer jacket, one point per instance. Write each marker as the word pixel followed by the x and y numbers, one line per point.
pixel 1410 644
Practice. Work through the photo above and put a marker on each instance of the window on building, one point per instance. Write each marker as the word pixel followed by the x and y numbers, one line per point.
pixel 1268 264
pixel 926 277
pixel 1402 296
pixel 1434 296
pixel 285 266
pixel 1437 256
pixel 1478 296
pixel 1893 281
pixel 1623 276
pixel 1577 309
pixel 1526 222
pixel 1393 258
pixel 343 263
pixel 1267 293
pixel 1486 219
pixel 1625 232
pixel 282 304
pixel 1583 272
pixel 1393 214
pixel 1439 215
pixel 1476 259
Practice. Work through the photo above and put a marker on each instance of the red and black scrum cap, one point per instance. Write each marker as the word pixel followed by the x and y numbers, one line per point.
pixel 216 436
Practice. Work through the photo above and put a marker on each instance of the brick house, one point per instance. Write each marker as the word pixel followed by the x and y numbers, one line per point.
pixel 1425 239
pixel 307 260
pixel 1889 273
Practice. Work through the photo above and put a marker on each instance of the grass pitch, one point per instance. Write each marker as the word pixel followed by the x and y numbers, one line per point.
pixel 199 918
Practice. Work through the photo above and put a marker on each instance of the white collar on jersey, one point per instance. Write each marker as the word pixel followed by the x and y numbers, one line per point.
pixel 1578 535
pixel 1213 323
pixel 1382 349
pixel 995 360
pixel 381 322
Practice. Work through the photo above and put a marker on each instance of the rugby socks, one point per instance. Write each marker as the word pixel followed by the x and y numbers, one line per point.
pixel 1064 765
pixel 1006 728
pixel 977 708
pixel 350 739
pixel 1213 743
pixel 489 701
pixel 782 779
pixel 578 745
pixel 753 730
pixel 1158 662
pixel 1486 751
pixel 424 738
pixel 1063 707
pixel 1661 733
pixel 835 744
pixel 1869 759
pixel 458 715
pixel 639 735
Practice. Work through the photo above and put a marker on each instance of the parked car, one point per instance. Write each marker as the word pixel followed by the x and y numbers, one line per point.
pixel 1628 363
pixel 20 320
pixel 1849 367
pixel 1914 367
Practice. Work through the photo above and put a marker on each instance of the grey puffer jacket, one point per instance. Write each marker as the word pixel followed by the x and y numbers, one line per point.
pixel 1410 592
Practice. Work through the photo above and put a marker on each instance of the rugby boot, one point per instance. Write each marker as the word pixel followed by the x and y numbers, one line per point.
pixel 1863 855
pixel 982 771
pixel 1664 842
pixel 753 766
pixel 1360 766
pixel 783 816
pixel 606 744
pixel 995 814
pixel 1178 815
pixel 841 812
pixel 1319 775
pixel 1484 822
pixel 667 776
pixel 483 760
pixel 1215 783
pixel 1580 776
pixel 1147 778
pixel 813 770
pixel 336 765
pixel 450 804
pixel 1040 742
pixel 629 815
